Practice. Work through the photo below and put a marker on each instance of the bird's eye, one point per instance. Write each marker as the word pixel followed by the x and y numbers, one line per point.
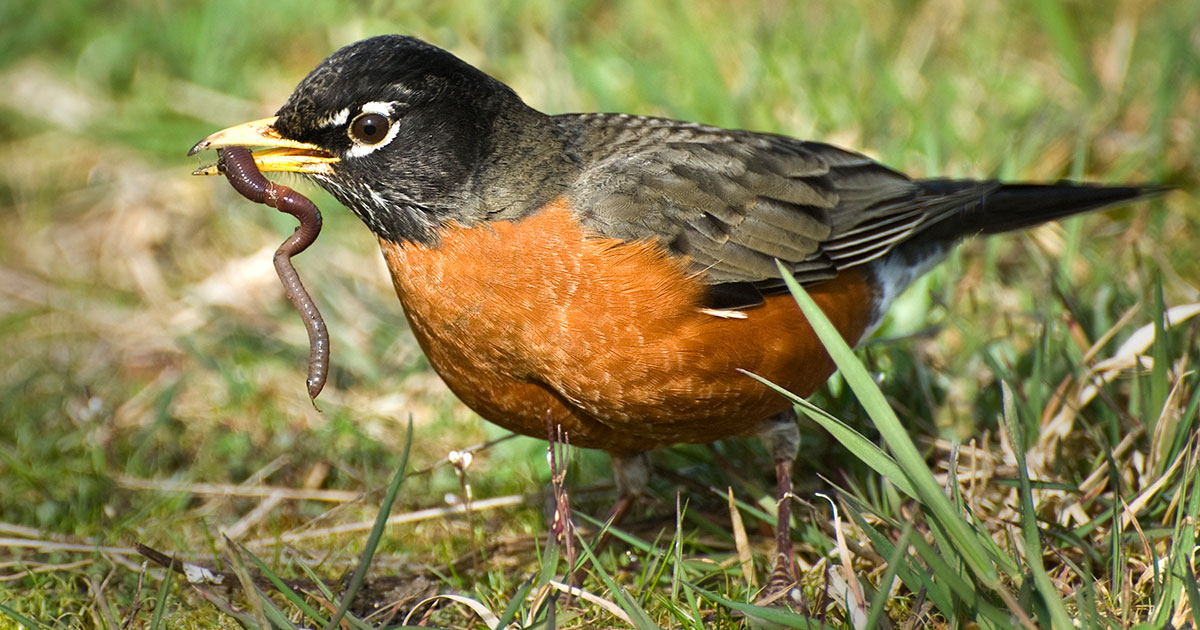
pixel 369 128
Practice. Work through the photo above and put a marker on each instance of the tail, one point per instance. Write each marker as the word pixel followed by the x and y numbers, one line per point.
pixel 1006 207
pixel 962 208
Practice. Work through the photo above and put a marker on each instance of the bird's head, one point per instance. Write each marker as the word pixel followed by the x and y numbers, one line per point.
pixel 393 127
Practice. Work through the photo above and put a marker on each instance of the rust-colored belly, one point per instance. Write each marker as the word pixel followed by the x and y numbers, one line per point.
pixel 535 318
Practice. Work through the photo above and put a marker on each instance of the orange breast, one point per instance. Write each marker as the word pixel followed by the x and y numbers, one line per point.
pixel 534 318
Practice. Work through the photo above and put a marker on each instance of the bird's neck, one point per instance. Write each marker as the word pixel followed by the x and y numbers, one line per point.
pixel 527 166
pixel 523 164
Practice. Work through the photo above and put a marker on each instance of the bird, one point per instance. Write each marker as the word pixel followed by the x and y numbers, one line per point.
pixel 619 275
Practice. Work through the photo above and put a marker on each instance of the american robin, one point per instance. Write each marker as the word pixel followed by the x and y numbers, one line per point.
pixel 615 272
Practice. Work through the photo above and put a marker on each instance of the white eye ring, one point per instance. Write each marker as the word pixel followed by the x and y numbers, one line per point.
pixel 375 115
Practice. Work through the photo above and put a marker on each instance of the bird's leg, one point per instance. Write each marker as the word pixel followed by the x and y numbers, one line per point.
pixel 782 439
pixel 563 528
pixel 632 474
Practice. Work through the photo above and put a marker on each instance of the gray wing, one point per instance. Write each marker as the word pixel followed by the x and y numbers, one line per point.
pixel 733 202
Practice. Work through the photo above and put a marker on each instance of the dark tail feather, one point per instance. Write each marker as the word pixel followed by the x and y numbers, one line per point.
pixel 1006 207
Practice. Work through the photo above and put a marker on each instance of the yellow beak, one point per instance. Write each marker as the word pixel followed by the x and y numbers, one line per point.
pixel 281 153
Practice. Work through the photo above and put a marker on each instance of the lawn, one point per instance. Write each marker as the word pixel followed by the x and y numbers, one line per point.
pixel 152 371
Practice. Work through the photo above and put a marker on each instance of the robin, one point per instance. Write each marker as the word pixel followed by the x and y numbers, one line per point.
pixel 615 273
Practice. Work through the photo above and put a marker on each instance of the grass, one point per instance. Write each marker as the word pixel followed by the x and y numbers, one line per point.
pixel 1040 463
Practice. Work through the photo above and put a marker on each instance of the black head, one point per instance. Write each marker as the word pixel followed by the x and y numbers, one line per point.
pixel 410 125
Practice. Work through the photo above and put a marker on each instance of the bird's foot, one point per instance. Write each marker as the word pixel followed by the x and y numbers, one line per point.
pixel 783 587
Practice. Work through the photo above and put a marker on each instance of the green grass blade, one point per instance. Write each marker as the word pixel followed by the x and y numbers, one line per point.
pixel 1058 26
pixel 1186 423
pixel 261 606
pixel 914 577
pixel 751 509
pixel 160 601
pixel 1029 526
pixel 292 596
pixel 21 619
pixel 696 618
pixel 328 594
pixel 275 615
pixel 1160 374
pixel 364 562
pixel 1183 541
pixel 546 573
pixel 677 550
pixel 980 552
pixel 894 561
pixel 785 618
pixel 321 586
pixel 514 604
pixel 855 442
pixel 244 619
pixel 1193 594
pixel 953 579
pixel 623 536
pixel 640 619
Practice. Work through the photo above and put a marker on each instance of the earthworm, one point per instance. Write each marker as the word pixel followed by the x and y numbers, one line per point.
pixel 238 165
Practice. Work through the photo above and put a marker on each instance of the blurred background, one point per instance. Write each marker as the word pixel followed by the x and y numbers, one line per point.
pixel 144 338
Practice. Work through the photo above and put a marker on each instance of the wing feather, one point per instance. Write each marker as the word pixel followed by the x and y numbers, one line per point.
pixel 733 201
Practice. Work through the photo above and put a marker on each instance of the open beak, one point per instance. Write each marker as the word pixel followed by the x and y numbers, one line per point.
pixel 280 153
